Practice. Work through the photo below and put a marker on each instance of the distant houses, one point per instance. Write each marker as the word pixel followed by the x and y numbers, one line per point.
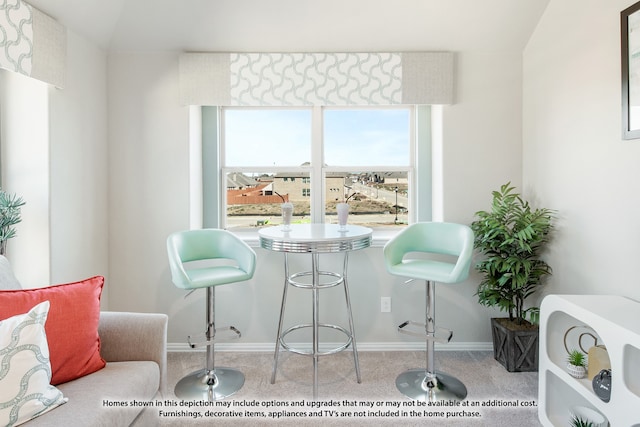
pixel 246 190
pixel 292 186
pixel 296 186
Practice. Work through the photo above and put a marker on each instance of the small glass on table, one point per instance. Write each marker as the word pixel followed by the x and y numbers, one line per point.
pixel 287 214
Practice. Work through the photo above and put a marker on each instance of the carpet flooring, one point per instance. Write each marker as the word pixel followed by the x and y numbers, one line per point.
pixel 495 397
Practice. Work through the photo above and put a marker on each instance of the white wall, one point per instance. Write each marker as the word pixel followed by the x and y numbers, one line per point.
pixel 54 155
pixel 575 160
pixel 78 151
pixel 25 171
pixel 482 150
pixel 148 178
pixel 149 197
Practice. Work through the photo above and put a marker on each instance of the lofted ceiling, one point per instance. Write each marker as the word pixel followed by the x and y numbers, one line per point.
pixel 299 25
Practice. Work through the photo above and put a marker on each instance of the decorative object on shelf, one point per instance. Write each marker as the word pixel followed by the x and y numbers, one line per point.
pixel 576 334
pixel 602 385
pixel 576 364
pixel 10 205
pixel 581 416
pixel 512 237
pixel 598 360
pixel 580 422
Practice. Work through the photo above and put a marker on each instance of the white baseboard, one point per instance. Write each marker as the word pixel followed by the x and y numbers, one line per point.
pixel 366 346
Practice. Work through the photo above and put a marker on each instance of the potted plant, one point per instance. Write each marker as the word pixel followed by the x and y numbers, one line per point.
pixel 511 237
pixel 10 205
pixel 580 422
pixel 577 364
pixel 582 416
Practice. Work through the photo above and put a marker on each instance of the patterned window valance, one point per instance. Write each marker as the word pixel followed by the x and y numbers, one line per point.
pixel 32 43
pixel 298 79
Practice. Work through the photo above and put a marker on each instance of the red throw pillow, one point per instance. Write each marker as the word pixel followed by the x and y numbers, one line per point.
pixel 71 327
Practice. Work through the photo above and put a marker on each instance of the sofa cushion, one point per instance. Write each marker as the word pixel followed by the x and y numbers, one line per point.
pixel 25 371
pixel 72 324
pixel 92 399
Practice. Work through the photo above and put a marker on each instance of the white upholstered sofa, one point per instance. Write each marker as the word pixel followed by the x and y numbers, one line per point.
pixel 134 347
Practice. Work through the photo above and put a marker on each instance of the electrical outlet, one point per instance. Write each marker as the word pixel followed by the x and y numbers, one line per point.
pixel 385 304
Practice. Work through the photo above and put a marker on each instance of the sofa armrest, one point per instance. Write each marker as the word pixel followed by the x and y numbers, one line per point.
pixel 133 337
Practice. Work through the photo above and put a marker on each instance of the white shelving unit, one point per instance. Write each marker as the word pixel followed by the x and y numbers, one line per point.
pixel 616 320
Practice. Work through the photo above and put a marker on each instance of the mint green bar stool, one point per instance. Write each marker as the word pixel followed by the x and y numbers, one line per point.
pixel 228 260
pixel 433 252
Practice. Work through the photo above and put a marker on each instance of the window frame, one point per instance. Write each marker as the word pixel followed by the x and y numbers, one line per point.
pixel 409 169
pixel 208 202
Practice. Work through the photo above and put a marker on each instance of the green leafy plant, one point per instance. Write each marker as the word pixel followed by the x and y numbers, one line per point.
pixel 10 205
pixel 511 236
pixel 577 358
pixel 580 422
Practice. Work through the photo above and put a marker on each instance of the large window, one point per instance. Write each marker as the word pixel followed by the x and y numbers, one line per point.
pixel 315 158
pixel 367 159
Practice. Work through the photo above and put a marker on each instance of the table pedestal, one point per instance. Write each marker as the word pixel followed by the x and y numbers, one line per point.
pixel 315 239
pixel 315 286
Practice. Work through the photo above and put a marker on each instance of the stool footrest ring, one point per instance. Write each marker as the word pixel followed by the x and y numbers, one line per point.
pixel 440 335
pixel 234 333
pixel 319 353
pixel 338 280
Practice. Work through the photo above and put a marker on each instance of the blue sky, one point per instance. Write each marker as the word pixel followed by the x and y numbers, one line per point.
pixel 277 137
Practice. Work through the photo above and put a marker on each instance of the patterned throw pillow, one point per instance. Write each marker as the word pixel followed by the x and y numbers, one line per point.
pixel 25 371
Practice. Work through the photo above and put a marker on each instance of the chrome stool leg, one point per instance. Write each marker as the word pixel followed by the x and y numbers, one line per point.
pixel 210 383
pixel 284 301
pixel 315 313
pixel 430 385
pixel 351 328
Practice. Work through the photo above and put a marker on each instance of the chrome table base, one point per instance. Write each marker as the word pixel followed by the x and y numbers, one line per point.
pixel 315 287
pixel 315 239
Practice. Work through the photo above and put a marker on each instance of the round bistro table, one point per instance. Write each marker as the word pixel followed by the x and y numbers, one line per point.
pixel 315 239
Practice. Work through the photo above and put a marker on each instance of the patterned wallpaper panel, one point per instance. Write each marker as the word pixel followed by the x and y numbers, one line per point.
pixel 16 37
pixel 315 78
pixel 31 42
pixel 302 79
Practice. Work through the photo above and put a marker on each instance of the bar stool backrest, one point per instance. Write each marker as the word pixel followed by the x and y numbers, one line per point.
pixel 184 247
pixel 441 238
